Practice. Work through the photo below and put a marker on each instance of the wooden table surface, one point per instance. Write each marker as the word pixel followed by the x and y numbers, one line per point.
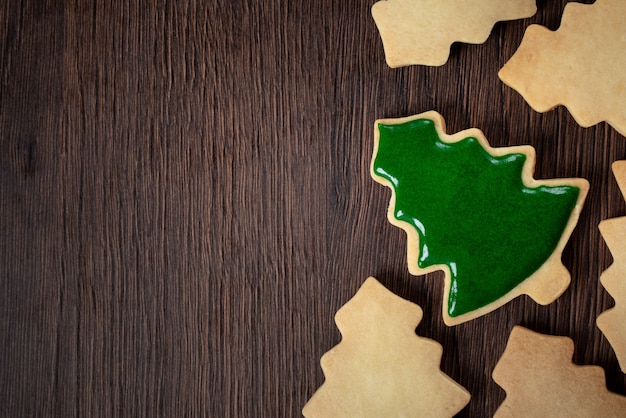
pixel 186 202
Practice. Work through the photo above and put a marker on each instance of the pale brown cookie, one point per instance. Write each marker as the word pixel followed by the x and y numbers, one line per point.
pixel 613 321
pixel 422 31
pixel 581 65
pixel 540 380
pixel 381 368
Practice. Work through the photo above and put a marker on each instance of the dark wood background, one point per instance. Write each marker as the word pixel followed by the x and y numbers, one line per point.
pixel 186 202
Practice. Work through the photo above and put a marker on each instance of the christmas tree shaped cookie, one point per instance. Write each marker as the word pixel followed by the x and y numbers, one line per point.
pixel 612 322
pixel 382 368
pixel 581 65
pixel 422 31
pixel 540 380
pixel 475 212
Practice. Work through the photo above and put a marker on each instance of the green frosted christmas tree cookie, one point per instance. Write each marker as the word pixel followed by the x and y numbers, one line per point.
pixel 475 212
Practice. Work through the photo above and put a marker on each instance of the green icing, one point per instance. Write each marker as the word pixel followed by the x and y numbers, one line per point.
pixel 471 210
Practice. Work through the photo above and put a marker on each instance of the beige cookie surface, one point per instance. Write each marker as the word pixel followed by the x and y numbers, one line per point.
pixel 613 321
pixel 381 367
pixel 548 282
pixel 581 65
pixel 422 31
pixel 540 380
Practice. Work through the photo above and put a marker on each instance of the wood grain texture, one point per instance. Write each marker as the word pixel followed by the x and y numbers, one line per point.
pixel 185 203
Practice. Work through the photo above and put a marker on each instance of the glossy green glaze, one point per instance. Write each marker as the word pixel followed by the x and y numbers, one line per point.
pixel 471 210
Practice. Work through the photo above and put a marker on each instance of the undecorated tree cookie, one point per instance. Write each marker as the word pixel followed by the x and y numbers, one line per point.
pixel 582 65
pixel 422 31
pixel 613 321
pixel 540 380
pixel 476 213
pixel 381 368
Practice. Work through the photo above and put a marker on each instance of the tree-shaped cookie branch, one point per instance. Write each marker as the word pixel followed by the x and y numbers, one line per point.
pixel 540 380
pixel 475 212
pixel 381 368
pixel 613 321
pixel 422 31
pixel 581 65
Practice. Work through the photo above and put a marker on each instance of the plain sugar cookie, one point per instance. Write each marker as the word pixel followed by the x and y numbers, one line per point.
pixel 381 368
pixel 540 380
pixel 422 31
pixel 612 322
pixel 582 65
